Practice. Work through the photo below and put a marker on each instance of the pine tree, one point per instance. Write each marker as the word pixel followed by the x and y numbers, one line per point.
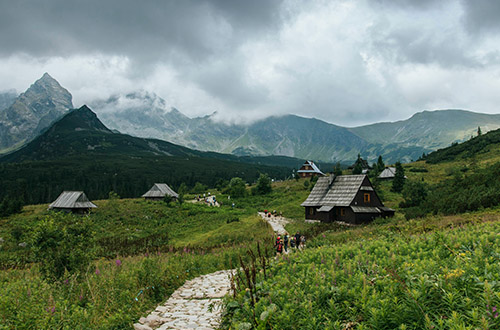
pixel 399 178
pixel 337 170
pixel 479 131
pixel 380 164
pixel 358 169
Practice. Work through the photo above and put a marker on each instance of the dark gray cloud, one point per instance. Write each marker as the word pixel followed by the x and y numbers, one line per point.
pixel 482 16
pixel 345 61
pixel 142 29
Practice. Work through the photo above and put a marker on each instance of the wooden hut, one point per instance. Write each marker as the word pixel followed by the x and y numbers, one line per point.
pixel 159 191
pixel 388 173
pixel 309 169
pixel 345 198
pixel 72 201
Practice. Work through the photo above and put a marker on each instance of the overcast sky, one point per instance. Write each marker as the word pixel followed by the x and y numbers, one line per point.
pixel 346 62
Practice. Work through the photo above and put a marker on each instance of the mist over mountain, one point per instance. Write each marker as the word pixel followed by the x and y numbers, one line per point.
pixel 43 102
pixel 147 115
pixel 144 114
pixel 7 98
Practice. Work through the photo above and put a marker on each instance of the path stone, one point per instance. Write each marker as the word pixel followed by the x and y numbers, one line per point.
pixel 198 303
pixel 195 305
pixel 277 223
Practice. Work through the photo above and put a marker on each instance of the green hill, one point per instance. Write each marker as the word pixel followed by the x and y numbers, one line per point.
pixel 79 153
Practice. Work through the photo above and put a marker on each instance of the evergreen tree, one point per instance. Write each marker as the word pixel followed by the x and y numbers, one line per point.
pixel 380 164
pixel 358 169
pixel 479 131
pixel 337 170
pixel 399 178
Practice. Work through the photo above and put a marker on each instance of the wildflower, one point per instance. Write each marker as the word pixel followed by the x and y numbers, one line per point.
pixel 118 262
pixel 66 281
pixel 97 271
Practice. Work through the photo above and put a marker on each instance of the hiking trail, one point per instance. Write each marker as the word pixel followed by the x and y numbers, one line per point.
pixel 198 303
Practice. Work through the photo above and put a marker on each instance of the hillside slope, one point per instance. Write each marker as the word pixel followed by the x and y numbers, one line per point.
pixel 79 153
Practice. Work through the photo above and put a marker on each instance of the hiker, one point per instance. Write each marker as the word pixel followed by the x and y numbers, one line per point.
pixel 302 241
pixel 292 241
pixel 297 240
pixel 285 241
pixel 279 246
pixel 281 214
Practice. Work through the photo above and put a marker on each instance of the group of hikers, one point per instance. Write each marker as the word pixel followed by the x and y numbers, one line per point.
pixel 209 200
pixel 297 241
pixel 273 213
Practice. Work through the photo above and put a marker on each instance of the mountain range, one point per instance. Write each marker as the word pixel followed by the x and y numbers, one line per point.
pixel 78 152
pixel 146 115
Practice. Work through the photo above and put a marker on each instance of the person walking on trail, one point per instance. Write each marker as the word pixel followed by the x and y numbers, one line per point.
pixel 292 242
pixel 279 246
pixel 285 242
pixel 297 240
pixel 302 241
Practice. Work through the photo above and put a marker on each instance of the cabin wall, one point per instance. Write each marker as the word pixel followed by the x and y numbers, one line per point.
pixel 154 198
pixel 313 214
pixel 365 217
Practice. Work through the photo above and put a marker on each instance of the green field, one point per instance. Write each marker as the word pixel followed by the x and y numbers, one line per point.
pixel 437 271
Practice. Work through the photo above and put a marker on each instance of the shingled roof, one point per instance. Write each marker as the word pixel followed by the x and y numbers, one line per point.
pixel 334 191
pixel 72 200
pixel 315 168
pixel 388 173
pixel 160 190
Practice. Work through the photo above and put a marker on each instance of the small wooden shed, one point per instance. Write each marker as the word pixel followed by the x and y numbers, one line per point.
pixel 388 173
pixel 309 169
pixel 159 191
pixel 345 198
pixel 72 201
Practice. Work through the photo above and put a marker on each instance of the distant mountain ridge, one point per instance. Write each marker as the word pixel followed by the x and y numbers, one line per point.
pixel 294 136
pixel 146 115
pixel 81 133
pixel 43 102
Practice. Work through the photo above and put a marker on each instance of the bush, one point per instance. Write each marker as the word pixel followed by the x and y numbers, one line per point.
pixel 62 244
pixel 263 185
pixel 199 188
pixel 414 194
pixel 237 187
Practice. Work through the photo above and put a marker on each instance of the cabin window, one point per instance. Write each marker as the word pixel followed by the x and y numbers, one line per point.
pixel 342 212
pixel 367 198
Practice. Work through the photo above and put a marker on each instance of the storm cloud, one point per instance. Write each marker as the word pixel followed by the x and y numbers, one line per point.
pixel 346 62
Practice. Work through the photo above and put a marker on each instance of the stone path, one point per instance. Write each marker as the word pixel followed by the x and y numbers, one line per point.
pixel 195 305
pixel 198 303
pixel 277 223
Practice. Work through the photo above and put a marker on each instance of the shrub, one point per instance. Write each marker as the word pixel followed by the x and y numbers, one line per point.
pixel 263 185
pixel 63 243
pixel 237 187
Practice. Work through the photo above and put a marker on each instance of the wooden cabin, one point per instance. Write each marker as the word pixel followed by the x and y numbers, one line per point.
pixel 158 192
pixel 388 173
pixel 72 201
pixel 345 198
pixel 309 169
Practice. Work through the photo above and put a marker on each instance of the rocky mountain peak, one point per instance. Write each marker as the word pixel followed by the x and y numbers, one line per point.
pixel 40 105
